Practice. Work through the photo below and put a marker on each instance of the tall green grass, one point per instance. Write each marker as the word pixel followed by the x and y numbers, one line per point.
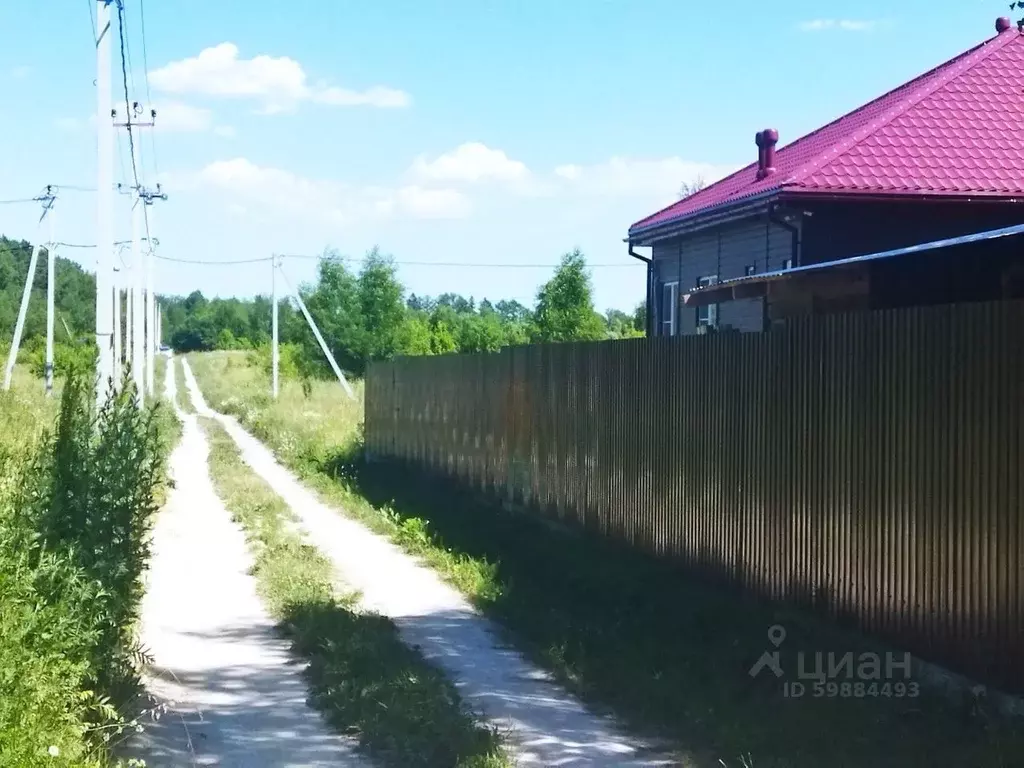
pixel 76 500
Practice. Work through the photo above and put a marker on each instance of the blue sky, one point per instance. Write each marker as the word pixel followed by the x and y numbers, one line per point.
pixel 487 131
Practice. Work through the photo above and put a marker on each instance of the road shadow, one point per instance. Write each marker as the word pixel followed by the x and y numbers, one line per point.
pixel 241 714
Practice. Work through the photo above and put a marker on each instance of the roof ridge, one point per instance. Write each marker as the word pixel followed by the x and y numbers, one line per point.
pixel 916 95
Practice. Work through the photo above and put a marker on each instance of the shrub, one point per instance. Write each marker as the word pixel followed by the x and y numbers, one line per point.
pixel 75 511
pixel 68 360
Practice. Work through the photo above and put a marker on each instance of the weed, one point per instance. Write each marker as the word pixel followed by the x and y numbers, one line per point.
pixel 74 511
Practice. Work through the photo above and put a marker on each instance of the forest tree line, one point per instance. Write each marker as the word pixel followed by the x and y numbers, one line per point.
pixel 366 315
pixel 363 314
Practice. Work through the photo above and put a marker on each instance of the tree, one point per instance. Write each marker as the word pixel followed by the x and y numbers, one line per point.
pixel 688 188
pixel 640 317
pixel 420 303
pixel 512 311
pixel 443 324
pixel 565 305
pixel 480 333
pixel 380 299
pixel 336 306
pixel 226 339
pixel 413 336
pixel 460 304
pixel 621 325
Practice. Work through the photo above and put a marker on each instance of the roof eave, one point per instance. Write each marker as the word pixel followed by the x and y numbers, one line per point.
pixel 708 217
pixel 908 196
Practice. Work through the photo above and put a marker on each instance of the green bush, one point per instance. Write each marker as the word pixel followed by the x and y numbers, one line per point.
pixel 77 360
pixel 75 512
pixel 289 361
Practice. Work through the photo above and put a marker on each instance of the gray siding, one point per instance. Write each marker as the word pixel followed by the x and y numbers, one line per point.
pixel 724 251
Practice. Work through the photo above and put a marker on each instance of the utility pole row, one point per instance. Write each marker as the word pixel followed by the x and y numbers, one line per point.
pixel 142 316
pixel 47 199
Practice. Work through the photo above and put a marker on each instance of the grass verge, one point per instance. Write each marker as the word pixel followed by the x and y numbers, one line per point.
pixel 663 650
pixel 181 391
pixel 365 680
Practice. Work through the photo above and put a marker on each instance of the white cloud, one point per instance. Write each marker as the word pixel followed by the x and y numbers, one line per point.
pixel 657 179
pixel 433 203
pixel 248 184
pixel 846 25
pixel 570 172
pixel 439 188
pixel 225 131
pixel 174 116
pixel 470 162
pixel 279 83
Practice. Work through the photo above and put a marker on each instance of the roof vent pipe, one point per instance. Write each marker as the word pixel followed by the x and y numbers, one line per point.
pixel 1003 23
pixel 766 141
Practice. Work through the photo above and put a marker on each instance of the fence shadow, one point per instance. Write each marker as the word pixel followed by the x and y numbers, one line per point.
pixel 669 649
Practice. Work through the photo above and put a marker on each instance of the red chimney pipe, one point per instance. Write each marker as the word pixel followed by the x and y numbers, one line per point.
pixel 759 140
pixel 766 141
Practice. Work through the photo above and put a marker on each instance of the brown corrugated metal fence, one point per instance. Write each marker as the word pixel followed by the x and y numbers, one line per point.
pixel 868 464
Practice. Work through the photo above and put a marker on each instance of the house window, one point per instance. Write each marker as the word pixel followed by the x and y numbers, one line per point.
pixel 751 269
pixel 669 308
pixel 707 314
pixel 787 264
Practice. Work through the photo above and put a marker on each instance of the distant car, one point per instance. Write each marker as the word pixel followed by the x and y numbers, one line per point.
pixel 164 348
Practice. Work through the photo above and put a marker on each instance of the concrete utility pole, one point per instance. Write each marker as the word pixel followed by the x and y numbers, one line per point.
pixel 139 303
pixel 120 280
pixel 19 325
pixel 148 197
pixel 273 324
pixel 51 271
pixel 104 192
pixel 129 276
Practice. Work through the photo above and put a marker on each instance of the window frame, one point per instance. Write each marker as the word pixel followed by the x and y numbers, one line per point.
pixel 710 311
pixel 671 289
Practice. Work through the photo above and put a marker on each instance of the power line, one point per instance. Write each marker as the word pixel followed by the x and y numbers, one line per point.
pixel 470 264
pixel 481 265
pixel 55 188
pixel 124 80
pixel 145 64
pixel 263 259
pixel 90 245
pixel 214 263
pixel 92 19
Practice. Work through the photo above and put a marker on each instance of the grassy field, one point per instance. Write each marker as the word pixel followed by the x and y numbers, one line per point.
pixel 367 683
pixel 662 650
pixel 77 492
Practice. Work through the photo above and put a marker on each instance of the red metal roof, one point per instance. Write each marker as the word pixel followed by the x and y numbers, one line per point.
pixel 956 130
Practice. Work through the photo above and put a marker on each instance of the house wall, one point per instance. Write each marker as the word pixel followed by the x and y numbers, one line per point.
pixel 839 230
pixel 725 251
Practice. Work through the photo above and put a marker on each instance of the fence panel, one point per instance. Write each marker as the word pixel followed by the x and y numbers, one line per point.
pixel 867 465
